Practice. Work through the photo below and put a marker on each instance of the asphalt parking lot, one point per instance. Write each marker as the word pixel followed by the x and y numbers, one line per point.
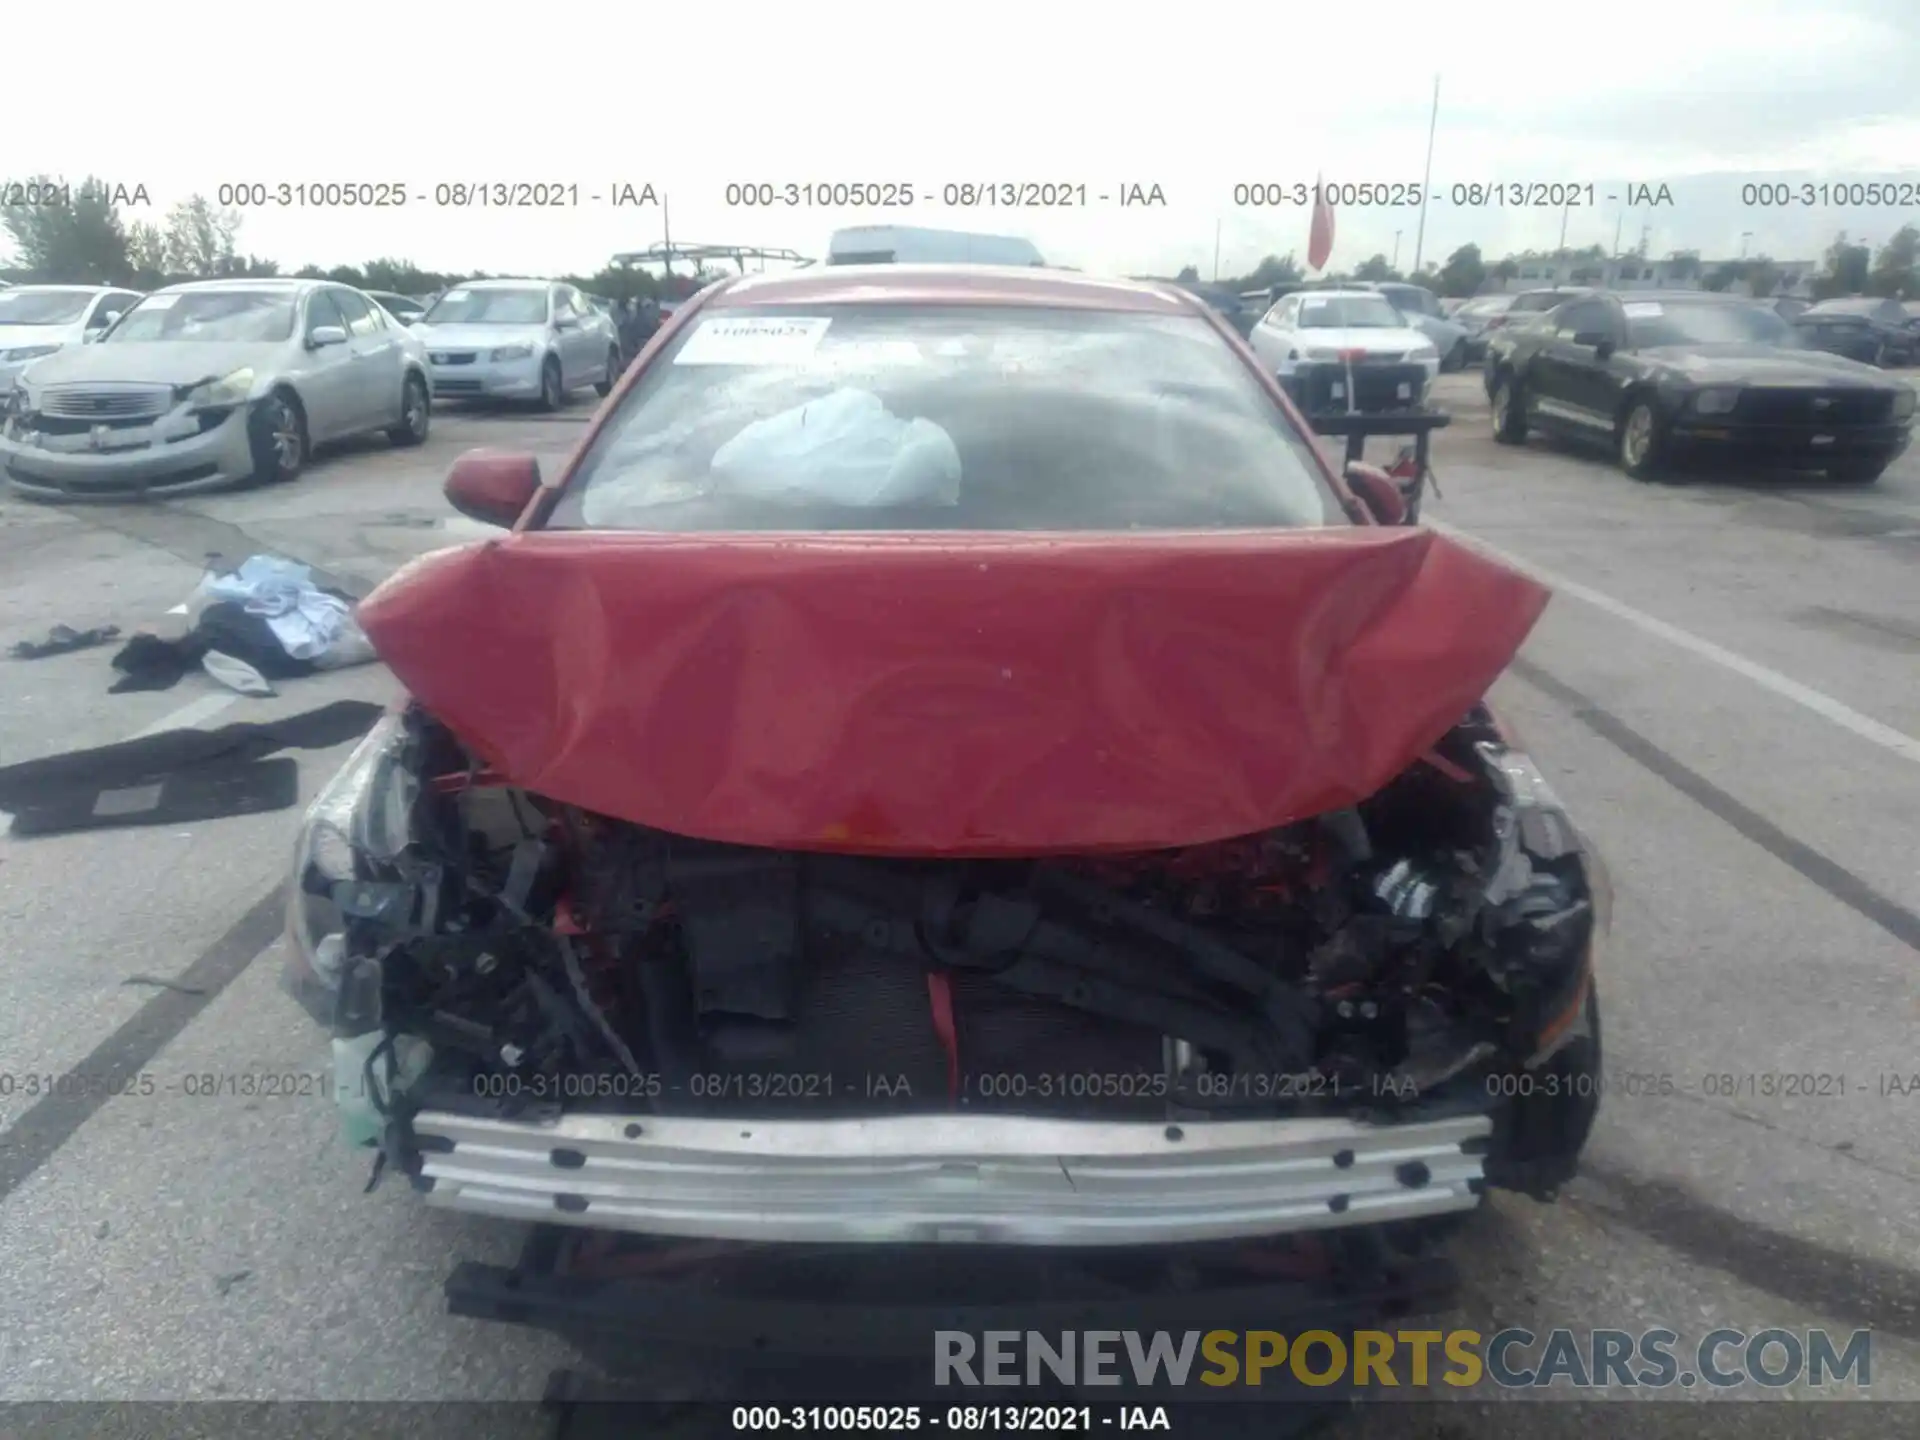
pixel 1726 691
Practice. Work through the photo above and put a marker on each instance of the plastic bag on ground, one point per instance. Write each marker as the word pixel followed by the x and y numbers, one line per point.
pixel 845 449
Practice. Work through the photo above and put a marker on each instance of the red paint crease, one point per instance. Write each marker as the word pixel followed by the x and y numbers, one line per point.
pixel 954 694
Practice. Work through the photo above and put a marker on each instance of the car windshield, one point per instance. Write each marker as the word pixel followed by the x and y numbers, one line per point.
pixel 1486 305
pixel 464 306
pixel 1541 300
pixel 883 418
pixel 1349 312
pixel 1651 322
pixel 243 315
pixel 43 307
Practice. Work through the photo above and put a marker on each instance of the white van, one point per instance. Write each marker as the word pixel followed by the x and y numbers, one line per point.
pixel 903 245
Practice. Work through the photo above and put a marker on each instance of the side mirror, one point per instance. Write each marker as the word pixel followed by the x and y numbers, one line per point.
pixel 1379 492
pixel 108 320
pixel 493 486
pixel 1593 339
pixel 324 335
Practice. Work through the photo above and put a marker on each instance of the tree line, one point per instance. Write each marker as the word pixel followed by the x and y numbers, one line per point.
pixel 1850 269
pixel 89 242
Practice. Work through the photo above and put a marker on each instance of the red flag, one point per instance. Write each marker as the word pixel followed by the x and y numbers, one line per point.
pixel 1320 238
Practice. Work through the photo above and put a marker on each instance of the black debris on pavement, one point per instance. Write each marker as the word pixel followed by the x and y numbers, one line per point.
pixel 212 791
pixel 147 662
pixel 63 639
pixel 177 776
pixel 155 980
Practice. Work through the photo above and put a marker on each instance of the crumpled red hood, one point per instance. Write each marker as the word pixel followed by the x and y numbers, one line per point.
pixel 954 694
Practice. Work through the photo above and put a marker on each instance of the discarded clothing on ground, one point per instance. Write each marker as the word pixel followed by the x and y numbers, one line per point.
pixel 307 622
pixel 269 615
pixel 62 639
pixel 177 776
pixel 148 662
pixel 236 674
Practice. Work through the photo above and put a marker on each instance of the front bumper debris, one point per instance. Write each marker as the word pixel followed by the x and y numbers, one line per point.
pixel 615 1298
pixel 179 453
pixel 964 1180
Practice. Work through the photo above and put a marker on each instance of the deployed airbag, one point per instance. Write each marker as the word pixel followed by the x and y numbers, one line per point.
pixel 846 449
pixel 954 694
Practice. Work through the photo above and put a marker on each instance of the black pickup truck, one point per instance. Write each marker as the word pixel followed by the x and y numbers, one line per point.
pixel 1667 379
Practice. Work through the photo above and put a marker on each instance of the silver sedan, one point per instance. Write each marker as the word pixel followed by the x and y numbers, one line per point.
pixel 518 340
pixel 212 384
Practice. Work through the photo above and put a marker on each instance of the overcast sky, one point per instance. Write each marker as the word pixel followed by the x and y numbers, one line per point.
pixel 1703 95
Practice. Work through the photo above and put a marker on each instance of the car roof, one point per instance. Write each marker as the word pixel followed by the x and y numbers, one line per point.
pixel 1852 302
pixel 499 282
pixel 1345 292
pixel 269 282
pixel 1667 297
pixel 1019 286
pixel 1681 297
pixel 54 285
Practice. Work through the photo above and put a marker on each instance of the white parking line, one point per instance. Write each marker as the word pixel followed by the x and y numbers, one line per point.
pixel 188 715
pixel 1805 696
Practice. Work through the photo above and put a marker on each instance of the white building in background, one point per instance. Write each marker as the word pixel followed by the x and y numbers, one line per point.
pixel 1631 272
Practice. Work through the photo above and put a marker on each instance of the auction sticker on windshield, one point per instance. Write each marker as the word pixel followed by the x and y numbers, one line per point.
pixel 754 340
pixel 1642 309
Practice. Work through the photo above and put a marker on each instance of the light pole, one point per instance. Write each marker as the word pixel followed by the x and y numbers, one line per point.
pixel 1426 181
pixel 1216 250
pixel 1396 251
pixel 1745 236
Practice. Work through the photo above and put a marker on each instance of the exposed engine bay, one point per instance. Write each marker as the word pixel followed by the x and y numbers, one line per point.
pixel 508 957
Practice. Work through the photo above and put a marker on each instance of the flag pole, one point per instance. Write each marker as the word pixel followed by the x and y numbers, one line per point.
pixel 1426 183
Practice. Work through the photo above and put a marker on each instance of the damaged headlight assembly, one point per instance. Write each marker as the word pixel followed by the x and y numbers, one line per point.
pixel 360 820
pixel 1533 902
pixel 227 390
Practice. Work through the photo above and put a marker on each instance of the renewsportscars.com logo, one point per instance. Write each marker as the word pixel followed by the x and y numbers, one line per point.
pixel 1654 1359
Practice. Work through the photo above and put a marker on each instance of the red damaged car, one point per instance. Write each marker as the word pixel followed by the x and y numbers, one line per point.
pixel 946 762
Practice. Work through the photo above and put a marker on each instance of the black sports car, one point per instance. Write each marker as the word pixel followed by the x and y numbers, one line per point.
pixel 1876 331
pixel 1661 379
